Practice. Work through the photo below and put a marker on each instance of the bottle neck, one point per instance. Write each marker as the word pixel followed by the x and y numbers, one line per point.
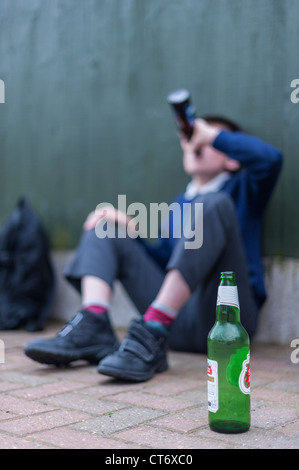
pixel 228 309
pixel 227 313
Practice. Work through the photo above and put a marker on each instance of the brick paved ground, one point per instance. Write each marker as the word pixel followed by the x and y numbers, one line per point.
pixel 76 408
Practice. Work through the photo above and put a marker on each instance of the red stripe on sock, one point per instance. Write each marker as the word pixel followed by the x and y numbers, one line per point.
pixel 98 309
pixel 153 314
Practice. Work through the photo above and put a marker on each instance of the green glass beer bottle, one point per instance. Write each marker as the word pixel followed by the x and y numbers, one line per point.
pixel 228 363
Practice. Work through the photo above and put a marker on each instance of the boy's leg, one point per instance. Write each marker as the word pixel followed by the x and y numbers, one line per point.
pixel 222 250
pixel 108 259
pixel 193 277
pixel 95 266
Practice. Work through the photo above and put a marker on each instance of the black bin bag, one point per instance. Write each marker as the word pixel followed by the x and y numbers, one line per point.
pixel 26 272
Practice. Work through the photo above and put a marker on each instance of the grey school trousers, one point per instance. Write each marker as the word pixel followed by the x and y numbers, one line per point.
pixel 126 259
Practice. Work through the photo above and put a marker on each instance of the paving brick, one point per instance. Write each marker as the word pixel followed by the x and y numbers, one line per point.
pixel 283 365
pixel 87 404
pixel 14 442
pixel 291 430
pixel 150 436
pixel 25 379
pixel 7 386
pixel 195 396
pixel 170 388
pixel 46 390
pixel 150 400
pixel 79 372
pixel 253 439
pixel 188 360
pixel 184 421
pixel 109 388
pixel 277 396
pixel 285 384
pixel 7 415
pixel 15 359
pixel 20 406
pixel 269 416
pixel 182 372
pixel 68 438
pixel 75 407
pixel 42 421
pixel 113 422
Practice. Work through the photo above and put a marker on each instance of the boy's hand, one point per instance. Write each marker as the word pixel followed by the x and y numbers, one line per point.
pixel 110 214
pixel 203 134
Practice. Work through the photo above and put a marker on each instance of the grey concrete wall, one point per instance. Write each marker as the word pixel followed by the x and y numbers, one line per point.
pixel 86 118
pixel 279 321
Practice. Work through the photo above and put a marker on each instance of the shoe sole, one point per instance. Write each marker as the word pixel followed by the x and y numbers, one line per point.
pixel 64 358
pixel 131 375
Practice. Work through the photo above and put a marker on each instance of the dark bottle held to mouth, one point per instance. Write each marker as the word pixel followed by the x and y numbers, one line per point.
pixel 184 111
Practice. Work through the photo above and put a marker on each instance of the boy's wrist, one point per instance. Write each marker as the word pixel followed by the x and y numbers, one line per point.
pixel 211 134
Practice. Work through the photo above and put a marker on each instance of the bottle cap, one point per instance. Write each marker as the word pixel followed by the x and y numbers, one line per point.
pixel 178 96
pixel 228 275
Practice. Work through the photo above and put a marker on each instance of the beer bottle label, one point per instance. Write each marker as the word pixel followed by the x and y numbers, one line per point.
pixel 238 370
pixel 244 378
pixel 213 402
pixel 228 295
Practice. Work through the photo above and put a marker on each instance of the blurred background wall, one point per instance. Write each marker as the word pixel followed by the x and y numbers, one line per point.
pixel 86 116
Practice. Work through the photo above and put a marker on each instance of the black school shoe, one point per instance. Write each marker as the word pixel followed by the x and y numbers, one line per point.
pixel 141 355
pixel 87 336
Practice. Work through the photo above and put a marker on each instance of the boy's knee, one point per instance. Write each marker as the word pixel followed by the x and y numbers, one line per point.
pixel 219 207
